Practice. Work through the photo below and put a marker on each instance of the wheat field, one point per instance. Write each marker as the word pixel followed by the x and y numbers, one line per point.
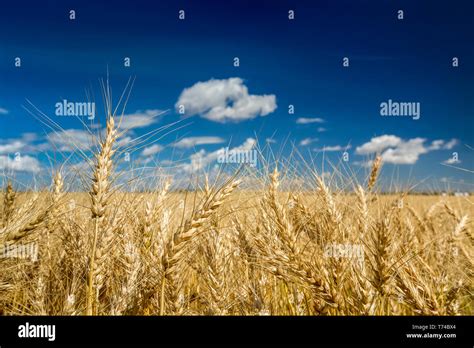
pixel 227 249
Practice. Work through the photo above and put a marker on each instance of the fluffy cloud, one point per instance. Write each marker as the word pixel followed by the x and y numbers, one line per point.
pixel 29 137
pixel 21 164
pixel 190 142
pixel 124 141
pixel 436 144
pixel 398 151
pixel 3 111
pixel 79 167
pixel 307 120
pixel 70 140
pixel 378 144
pixel 450 144
pixel 140 119
pixel 441 144
pixel 333 148
pixel 14 146
pixel 202 159
pixel 24 144
pixel 307 141
pixel 406 152
pixel 152 150
pixel 249 144
pixel 452 161
pixel 225 100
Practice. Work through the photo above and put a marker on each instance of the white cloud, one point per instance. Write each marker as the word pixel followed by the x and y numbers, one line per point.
pixel 333 148
pixel 147 160
pixel 321 129
pixel 248 144
pixel 152 150
pixel 441 144
pixel 21 164
pixel 406 152
pixel 378 144
pixel 3 111
pixel 190 142
pixel 12 147
pixel 436 144
pixel 225 100
pixel 82 167
pixel 452 161
pixel 398 151
pixel 139 119
pixel 307 141
pixel 29 137
pixel 202 159
pixel 307 120
pixel 23 144
pixel 199 160
pixel 167 162
pixel 366 164
pixel 450 144
pixel 271 141
pixel 70 140
pixel 124 141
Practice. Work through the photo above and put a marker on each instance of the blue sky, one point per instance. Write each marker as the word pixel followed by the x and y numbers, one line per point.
pixel 297 62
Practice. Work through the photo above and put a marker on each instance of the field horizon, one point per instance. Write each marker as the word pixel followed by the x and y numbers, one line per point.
pixel 221 250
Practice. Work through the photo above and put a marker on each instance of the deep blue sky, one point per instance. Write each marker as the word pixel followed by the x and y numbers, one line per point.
pixel 300 62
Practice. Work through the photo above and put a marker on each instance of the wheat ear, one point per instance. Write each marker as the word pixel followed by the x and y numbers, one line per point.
pixel 374 173
pixel 99 196
pixel 8 203
pixel 174 252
